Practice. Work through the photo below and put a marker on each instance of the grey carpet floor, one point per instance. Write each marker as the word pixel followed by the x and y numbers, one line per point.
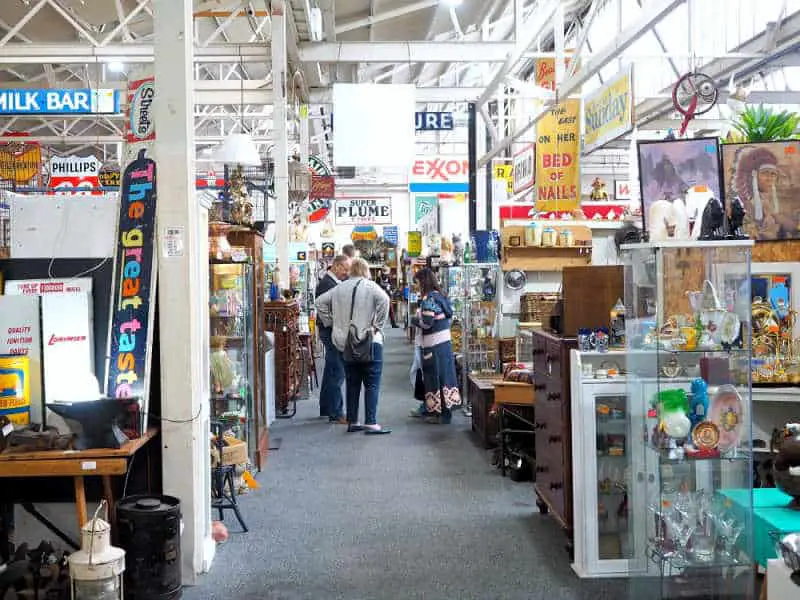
pixel 418 514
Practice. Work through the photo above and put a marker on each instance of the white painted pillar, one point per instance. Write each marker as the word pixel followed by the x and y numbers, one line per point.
pixel 182 287
pixel 281 148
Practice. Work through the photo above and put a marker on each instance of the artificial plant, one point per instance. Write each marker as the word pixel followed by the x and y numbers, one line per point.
pixel 759 124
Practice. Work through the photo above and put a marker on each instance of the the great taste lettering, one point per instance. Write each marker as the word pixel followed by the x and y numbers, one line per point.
pixel 135 281
pixel 608 109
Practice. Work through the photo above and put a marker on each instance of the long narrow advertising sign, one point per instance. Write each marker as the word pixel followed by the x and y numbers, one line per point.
pixel 132 306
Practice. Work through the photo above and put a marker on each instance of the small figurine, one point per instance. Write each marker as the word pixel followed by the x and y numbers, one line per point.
pixel 598 190
pixel 712 220
pixel 735 216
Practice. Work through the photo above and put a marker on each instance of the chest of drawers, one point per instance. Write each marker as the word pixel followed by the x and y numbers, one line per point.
pixel 553 425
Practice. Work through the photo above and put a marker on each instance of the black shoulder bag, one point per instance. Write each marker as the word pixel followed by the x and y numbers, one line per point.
pixel 358 347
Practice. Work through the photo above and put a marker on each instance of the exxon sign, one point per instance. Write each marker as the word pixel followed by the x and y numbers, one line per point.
pixel 439 174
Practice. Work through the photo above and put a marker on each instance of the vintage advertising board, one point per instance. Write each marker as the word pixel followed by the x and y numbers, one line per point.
pixel 557 151
pixel 20 335
pixel 439 174
pixel 75 175
pixel 545 74
pixel 133 293
pixel 523 169
pixel 59 102
pixel 15 396
pixel 364 211
pixel 766 177
pixel 608 112
pixel 67 347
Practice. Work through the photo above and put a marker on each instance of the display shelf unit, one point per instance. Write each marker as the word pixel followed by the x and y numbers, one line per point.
pixel 688 393
pixel 233 350
pixel 283 320
pixel 541 258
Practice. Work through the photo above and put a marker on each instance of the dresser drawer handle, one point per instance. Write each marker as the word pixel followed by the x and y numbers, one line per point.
pixel 554 439
pixel 542 469
pixel 540 425
pixel 539 387
pixel 556 486
pixel 554 396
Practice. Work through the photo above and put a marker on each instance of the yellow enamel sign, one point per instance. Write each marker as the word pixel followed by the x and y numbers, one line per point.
pixel 608 113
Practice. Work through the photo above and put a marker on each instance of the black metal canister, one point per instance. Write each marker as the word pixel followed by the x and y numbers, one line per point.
pixel 149 530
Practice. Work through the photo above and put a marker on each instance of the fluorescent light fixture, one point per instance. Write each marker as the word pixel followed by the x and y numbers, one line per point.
pixel 238 149
pixel 453 3
pixel 116 67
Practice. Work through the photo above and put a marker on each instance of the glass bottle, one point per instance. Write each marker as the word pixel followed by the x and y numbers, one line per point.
pixel 467 254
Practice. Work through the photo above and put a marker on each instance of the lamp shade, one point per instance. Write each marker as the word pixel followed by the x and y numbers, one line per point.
pixel 238 149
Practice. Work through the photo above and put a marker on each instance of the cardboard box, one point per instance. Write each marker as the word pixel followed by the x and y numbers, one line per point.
pixel 234 453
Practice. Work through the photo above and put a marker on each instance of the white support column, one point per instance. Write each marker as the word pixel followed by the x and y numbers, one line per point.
pixel 281 147
pixel 182 288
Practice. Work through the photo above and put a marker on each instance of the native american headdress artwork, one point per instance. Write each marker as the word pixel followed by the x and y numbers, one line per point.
pixel 747 164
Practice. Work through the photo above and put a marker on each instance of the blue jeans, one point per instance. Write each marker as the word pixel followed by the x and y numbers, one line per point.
pixel 368 375
pixel 331 403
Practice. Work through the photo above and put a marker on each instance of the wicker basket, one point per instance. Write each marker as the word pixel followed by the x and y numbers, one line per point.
pixel 535 307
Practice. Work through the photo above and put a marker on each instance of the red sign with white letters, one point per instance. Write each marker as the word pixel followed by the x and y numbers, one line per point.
pixel 440 169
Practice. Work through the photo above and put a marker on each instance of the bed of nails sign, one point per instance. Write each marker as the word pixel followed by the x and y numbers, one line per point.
pixel 134 276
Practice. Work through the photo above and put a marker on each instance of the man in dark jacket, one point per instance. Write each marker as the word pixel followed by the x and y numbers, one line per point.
pixel 331 402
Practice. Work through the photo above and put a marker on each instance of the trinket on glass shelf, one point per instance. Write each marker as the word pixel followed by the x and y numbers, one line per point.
pixel 599 191
pixel 775 357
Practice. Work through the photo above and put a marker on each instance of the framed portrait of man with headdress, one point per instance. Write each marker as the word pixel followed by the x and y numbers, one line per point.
pixel 766 178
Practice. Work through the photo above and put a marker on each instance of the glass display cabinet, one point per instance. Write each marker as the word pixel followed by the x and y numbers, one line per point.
pixel 688 397
pixel 480 298
pixel 452 281
pixel 232 355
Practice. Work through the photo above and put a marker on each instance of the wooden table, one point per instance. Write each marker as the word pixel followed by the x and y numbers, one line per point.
pixel 78 464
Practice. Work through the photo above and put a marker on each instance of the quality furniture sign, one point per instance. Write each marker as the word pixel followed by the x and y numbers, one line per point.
pixel 608 112
pixel 135 277
pixel 557 173
pixel 364 211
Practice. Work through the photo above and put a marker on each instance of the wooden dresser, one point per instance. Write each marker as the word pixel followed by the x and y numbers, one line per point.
pixel 282 318
pixel 553 426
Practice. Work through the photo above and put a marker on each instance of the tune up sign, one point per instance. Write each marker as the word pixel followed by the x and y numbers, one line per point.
pixel 132 305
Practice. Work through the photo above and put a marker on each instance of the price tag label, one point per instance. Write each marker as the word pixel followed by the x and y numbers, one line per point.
pixel 89 465
pixel 172 244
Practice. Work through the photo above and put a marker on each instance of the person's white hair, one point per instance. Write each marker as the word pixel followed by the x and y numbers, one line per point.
pixel 359 268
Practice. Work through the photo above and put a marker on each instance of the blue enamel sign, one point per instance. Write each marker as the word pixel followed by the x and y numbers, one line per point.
pixel 59 102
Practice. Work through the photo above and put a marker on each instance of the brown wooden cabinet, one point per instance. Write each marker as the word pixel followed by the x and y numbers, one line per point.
pixel 553 425
pixel 254 243
pixel 282 318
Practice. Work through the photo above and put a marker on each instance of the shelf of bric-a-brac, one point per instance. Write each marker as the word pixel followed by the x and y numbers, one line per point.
pixel 548 257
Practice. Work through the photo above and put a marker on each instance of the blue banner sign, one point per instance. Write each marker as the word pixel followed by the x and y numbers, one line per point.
pixel 390 234
pixel 133 300
pixel 433 121
pixel 59 102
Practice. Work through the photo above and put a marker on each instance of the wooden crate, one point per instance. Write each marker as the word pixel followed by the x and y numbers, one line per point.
pixel 589 294
pixel 536 307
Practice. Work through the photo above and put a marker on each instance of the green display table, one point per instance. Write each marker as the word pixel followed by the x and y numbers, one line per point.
pixel 769 515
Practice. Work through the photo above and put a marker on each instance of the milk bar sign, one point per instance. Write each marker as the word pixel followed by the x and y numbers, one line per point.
pixel 364 211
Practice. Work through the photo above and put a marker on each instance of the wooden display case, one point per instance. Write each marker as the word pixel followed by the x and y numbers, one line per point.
pixel 282 318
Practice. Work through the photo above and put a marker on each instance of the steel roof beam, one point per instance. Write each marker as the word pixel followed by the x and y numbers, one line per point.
pixel 75 54
pixel 385 16
pixel 405 52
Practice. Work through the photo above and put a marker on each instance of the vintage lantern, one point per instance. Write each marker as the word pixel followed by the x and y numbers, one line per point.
pixel 95 571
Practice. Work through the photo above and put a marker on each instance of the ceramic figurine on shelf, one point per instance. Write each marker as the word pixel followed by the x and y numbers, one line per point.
pixel 241 206
pixel 598 190
pixel 712 220
pixel 458 250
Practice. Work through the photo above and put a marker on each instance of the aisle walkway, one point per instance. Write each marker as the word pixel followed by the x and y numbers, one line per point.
pixel 416 514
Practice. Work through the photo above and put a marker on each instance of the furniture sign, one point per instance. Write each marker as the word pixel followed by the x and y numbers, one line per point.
pixel 364 211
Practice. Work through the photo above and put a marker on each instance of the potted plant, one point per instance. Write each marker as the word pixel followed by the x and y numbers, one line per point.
pixel 759 124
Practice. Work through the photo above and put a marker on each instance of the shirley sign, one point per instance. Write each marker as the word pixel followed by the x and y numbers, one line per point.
pixel 439 174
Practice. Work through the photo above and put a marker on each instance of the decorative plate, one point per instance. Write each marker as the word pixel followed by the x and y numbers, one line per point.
pixel 706 436
pixel 727 414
